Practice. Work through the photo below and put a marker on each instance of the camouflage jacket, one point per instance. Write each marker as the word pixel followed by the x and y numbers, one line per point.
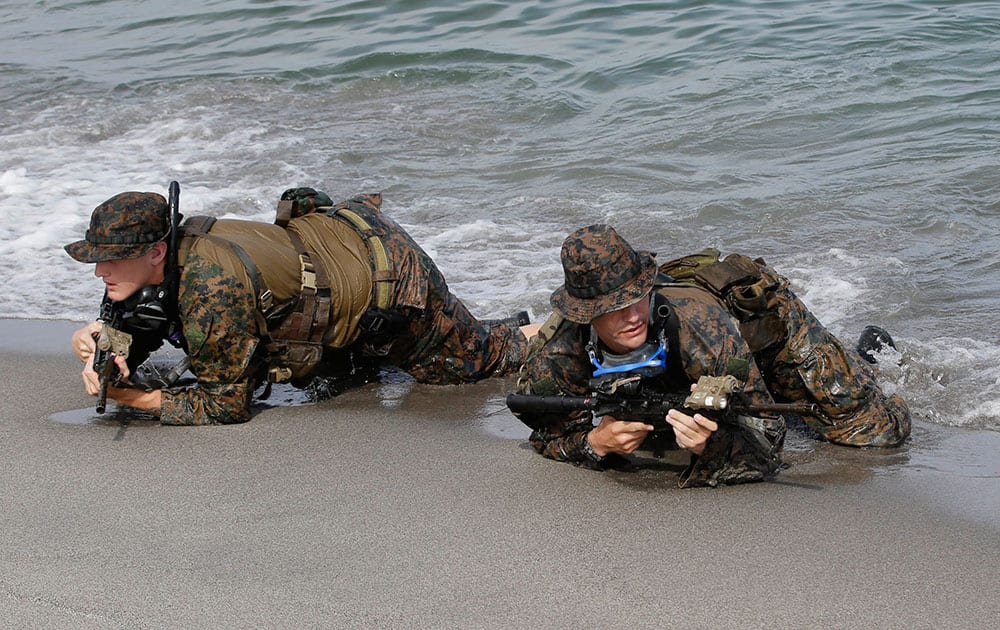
pixel 439 341
pixel 709 341
pixel 219 313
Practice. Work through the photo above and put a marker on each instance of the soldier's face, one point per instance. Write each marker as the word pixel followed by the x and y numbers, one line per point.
pixel 624 330
pixel 125 276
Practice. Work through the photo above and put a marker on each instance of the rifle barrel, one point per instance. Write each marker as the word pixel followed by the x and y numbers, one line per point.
pixel 102 398
pixel 804 409
pixel 107 371
pixel 518 403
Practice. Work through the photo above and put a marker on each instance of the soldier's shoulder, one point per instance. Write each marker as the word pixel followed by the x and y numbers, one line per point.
pixel 555 332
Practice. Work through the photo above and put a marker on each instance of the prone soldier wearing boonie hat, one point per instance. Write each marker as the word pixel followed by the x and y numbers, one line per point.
pixel 708 317
pixel 124 227
pixel 323 289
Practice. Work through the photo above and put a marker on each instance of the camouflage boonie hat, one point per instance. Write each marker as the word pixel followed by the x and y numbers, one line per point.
pixel 125 226
pixel 603 274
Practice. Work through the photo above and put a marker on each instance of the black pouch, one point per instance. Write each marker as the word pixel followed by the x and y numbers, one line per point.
pixel 379 323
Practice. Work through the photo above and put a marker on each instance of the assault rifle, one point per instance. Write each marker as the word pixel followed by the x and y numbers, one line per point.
pixel 129 331
pixel 626 399
pixel 110 341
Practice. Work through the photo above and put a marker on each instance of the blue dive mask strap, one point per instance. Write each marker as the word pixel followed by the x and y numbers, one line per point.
pixel 657 360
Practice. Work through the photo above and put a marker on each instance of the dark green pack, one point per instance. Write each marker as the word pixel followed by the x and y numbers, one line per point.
pixel 745 286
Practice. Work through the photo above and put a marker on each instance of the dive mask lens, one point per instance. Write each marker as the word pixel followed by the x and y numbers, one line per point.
pixel 648 360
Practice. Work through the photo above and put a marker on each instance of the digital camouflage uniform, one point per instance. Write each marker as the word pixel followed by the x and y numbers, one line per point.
pixel 812 365
pixel 434 336
pixel 709 342
pixel 756 321
pixel 441 342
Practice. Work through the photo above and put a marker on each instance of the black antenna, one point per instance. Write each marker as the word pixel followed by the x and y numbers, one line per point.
pixel 175 221
pixel 171 279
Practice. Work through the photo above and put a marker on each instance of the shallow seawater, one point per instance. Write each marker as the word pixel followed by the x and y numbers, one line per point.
pixel 122 419
pixel 113 417
pixel 495 419
pixel 854 148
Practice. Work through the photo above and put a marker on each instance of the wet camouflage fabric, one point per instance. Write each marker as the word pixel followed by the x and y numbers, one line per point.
pixel 708 340
pixel 441 342
pixel 810 365
pixel 219 322
pixel 814 366
pixel 602 274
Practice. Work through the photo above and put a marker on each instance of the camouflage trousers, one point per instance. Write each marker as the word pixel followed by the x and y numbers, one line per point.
pixel 813 365
pixel 441 342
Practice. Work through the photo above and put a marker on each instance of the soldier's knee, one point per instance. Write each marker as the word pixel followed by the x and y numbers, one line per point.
pixel 882 423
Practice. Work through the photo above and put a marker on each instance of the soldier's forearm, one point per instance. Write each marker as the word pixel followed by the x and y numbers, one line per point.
pixel 136 398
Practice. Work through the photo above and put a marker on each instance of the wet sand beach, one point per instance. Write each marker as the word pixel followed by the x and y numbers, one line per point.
pixel 396 505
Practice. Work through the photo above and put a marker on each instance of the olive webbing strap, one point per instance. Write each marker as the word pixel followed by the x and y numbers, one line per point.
pixel 383 277
pixel 312 314
pixel 314 277
pixel 265 300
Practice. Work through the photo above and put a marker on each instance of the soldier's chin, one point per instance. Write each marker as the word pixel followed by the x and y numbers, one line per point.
pixel 117 294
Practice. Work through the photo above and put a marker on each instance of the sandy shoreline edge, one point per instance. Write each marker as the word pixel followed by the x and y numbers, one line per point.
pixel 399 505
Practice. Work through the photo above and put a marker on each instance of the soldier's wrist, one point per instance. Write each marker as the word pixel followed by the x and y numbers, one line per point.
pixel 589 451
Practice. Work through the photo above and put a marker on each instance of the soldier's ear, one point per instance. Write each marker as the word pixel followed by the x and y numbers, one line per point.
pixel 158 253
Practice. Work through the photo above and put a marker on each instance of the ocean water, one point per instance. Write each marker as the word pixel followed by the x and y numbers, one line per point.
pixel 854 145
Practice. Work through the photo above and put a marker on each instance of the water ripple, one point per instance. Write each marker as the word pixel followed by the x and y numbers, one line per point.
pixel 851 143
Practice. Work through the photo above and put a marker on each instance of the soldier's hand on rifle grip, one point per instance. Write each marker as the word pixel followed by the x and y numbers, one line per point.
pixel 84 341
pixel 91 379
pixel 692 432
pixel 617 436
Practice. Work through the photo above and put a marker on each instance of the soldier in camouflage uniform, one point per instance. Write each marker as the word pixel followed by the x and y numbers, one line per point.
pixel 228 320
pixel 734 316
